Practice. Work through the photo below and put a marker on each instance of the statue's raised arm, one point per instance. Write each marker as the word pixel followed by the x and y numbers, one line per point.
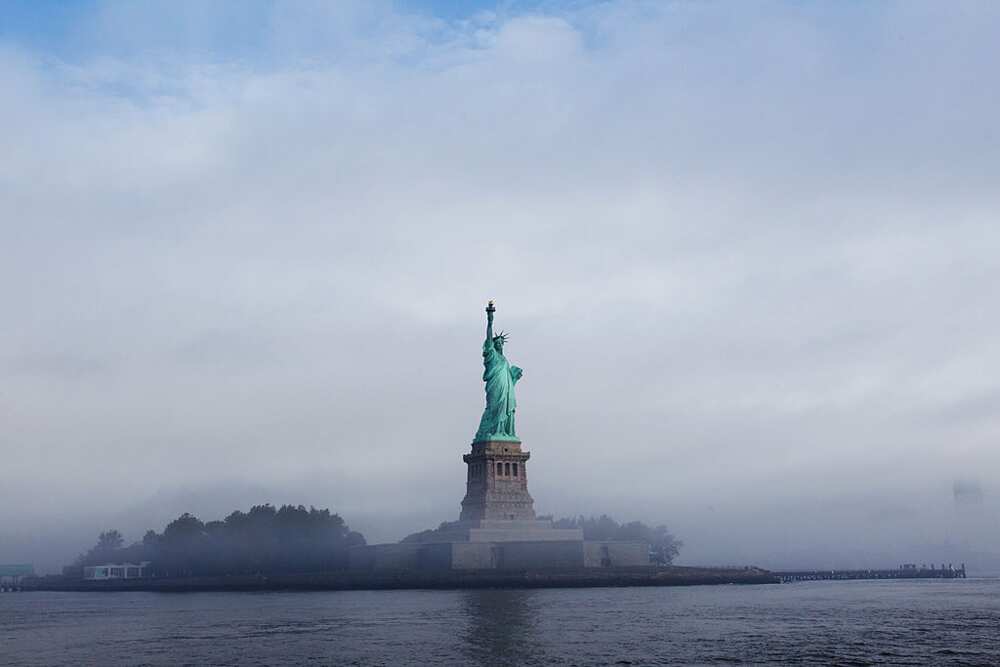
pixel 498 417
pixel 490 309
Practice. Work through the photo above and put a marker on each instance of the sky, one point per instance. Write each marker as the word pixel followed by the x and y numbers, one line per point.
pixel 747 254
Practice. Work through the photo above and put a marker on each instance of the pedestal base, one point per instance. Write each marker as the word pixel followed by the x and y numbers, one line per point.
pixel 497 483
pixel 495 530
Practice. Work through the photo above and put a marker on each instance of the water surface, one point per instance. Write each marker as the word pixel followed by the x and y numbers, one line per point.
pixel 854 622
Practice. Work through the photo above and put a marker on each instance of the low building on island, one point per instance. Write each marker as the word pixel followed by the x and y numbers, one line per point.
pixel 115 571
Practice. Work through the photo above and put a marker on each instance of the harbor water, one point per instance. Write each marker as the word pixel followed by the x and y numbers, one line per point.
pixel 853 622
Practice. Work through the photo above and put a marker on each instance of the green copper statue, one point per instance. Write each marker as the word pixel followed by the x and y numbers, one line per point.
pixel 500 377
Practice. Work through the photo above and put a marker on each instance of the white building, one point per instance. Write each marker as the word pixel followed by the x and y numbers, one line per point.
pixel 116 571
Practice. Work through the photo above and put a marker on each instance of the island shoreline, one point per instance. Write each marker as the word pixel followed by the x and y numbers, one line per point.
pixel 414 580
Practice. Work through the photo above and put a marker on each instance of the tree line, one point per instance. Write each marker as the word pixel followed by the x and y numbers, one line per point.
pixel 264 540
pixel 663 546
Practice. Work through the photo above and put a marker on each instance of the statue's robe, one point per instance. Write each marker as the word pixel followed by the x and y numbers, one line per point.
pixel 500 378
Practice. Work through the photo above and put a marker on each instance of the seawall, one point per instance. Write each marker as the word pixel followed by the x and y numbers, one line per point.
pixel 409 579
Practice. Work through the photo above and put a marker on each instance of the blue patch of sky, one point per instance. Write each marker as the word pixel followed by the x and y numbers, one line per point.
pixel 220 31
pixel 44 25
pixel 457 10
pixel 213 31
pixel 66 28
pixel 75 29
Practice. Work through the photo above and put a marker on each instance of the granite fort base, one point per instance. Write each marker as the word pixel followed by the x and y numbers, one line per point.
pixel 533 555
pixel 498 529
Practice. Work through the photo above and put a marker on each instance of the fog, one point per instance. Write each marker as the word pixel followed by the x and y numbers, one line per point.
pixel 747 255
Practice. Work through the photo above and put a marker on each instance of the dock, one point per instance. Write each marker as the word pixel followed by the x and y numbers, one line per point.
pixel 906 571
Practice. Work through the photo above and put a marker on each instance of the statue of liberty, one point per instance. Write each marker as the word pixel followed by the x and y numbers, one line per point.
pixel 500 377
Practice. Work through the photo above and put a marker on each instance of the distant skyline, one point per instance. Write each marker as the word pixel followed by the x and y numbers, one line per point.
pixel 746 252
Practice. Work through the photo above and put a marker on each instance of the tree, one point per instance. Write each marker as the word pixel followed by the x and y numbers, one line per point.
pixel 429 535
pixel 110 540
pixel 109 543
pixel 664 547
pixel 265 539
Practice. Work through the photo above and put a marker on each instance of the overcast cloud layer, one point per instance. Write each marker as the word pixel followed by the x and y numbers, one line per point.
pixel 748 255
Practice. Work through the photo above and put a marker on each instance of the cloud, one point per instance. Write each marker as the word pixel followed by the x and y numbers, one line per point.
pixel 745 255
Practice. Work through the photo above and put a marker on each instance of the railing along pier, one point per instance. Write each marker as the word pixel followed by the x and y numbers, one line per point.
pixel 907 571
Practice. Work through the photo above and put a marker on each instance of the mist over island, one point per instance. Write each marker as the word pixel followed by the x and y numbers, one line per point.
pixel 746 255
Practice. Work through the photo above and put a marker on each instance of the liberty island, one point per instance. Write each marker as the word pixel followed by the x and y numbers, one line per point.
pixel 496 541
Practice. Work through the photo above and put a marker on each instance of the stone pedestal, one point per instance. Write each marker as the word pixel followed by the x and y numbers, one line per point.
pixel 497 483
pixel 504 530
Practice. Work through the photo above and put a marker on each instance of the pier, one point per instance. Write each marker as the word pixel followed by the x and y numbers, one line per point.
pixel 906 571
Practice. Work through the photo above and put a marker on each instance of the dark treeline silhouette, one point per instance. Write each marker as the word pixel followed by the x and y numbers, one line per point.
pixel 664 547
pixel 265 540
